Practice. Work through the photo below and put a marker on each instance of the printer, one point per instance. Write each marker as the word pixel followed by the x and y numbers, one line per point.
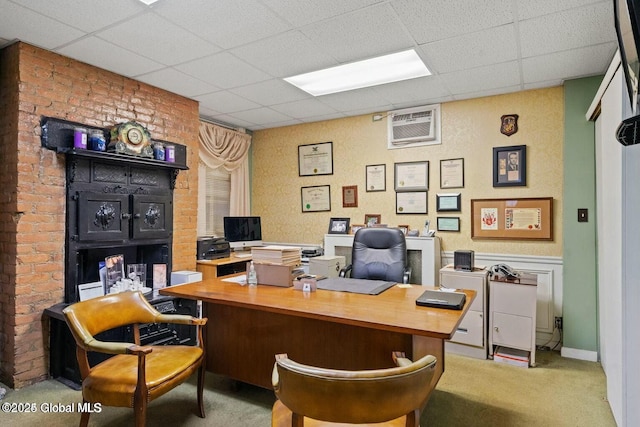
pixel 212 248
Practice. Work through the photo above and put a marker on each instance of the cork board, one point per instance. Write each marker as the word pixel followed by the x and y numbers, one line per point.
pixel 512 219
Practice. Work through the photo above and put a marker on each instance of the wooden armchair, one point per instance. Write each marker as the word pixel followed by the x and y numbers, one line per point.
pixel 136 375
pixel 310 396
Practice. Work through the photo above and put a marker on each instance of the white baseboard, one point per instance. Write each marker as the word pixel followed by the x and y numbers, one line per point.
pixel 574 353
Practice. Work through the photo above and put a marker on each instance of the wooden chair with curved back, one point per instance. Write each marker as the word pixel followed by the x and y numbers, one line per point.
pixel 136 374
pixel 313 397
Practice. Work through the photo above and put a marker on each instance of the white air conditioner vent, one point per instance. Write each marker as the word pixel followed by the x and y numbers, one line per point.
pixel 414 126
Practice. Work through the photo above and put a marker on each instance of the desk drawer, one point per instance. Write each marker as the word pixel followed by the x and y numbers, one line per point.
pixel 471 329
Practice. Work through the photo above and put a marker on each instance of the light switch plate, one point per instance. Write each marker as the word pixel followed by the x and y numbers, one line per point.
pixel 583 215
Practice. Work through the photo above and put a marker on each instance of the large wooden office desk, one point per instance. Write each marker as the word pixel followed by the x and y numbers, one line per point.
pixel 248 326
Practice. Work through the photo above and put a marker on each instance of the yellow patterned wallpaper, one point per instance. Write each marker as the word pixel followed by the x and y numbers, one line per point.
pixel 470 129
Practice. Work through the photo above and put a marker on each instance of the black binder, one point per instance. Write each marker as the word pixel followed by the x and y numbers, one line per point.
pixel 440 299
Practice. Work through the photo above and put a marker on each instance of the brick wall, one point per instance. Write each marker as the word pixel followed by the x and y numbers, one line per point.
pixel 36 83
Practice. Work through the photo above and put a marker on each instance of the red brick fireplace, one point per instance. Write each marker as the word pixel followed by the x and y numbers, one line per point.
pixel 36 83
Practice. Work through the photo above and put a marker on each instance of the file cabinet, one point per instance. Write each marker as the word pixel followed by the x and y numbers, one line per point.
pixel 512 317
pixel 470 338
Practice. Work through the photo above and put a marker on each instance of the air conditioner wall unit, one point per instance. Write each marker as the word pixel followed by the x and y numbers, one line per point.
pixel 414 126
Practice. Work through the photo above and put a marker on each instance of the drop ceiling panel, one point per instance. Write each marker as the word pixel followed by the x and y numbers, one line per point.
pixel 227 23
pixel 359 35
pixel 489 77
pixel 100 53
pixel 477 49
pixel 528 9
pixel 223 70
pixel 86 15
pixel 177 82
pixel 270 92
pixel 285 54
pixel 366 98
pixel 261 116
pixel 556 65
pixel 561 31
pixel 415 90
pixel 17 22
pixel 157 39
pixel 428 21
pixel 304 108
pixel 226 102
pixel 303 12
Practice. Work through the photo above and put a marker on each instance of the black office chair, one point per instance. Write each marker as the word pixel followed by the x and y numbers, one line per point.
pixel 379 253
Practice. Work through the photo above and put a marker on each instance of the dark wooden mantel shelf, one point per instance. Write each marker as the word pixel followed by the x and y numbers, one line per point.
pixel 57 135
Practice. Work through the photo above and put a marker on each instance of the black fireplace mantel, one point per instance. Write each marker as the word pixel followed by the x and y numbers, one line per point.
pixel 116 204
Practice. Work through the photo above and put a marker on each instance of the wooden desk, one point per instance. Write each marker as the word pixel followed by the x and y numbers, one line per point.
pixel 248 326
pixel 220 267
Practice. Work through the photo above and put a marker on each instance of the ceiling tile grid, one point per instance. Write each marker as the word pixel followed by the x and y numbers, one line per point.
pixel 231 55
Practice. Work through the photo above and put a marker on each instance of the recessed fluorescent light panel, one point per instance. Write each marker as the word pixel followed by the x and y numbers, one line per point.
pixel 371 72
pixel 148 2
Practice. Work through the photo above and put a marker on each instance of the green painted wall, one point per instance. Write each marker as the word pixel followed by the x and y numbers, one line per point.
pixel 579 296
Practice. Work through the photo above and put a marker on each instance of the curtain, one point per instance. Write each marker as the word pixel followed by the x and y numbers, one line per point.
pixel 221 147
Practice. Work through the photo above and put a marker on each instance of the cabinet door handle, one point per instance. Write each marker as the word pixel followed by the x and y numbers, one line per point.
pixel 136 216
pixel 495 328
pixel 125 216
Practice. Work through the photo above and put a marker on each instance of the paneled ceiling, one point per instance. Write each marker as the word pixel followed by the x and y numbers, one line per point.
pixel 231 55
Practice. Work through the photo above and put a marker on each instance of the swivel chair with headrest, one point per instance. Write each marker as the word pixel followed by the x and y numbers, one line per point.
pixel 379 253
pixel 313 397
pixel 136 374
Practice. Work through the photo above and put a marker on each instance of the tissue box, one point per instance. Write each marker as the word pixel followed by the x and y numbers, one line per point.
pixel 180 277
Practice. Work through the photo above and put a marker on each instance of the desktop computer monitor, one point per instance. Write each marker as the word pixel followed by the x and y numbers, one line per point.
pixel 242 232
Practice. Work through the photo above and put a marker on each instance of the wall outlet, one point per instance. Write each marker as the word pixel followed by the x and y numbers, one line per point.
pixel 558 320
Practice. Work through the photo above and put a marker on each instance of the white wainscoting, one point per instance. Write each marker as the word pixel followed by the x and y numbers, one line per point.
pixel 549 271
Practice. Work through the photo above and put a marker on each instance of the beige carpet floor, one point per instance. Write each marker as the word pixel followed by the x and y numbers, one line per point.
pixel 557 392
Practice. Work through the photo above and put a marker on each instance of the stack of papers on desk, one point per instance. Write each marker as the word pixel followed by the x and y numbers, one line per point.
pixel 273 254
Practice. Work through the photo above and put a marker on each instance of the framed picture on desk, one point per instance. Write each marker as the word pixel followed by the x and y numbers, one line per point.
pixel 339 226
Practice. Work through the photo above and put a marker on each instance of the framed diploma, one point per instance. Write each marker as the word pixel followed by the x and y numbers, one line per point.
pixel 414 202
pixel 315 159
pixel 514 219
pixel 376 177
pixel 350 196
pixel 448 202
pixel 448 223
pixel 316 198
pixel 452 173
pixel 412 176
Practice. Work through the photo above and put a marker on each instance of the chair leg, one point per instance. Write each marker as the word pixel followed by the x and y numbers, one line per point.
pixel 84 416
pixel 140 411
pixel 201 372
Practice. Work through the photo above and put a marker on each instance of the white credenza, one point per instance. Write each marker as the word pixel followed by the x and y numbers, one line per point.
pixel 423 254
pixel 512 315
pixel 470 338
